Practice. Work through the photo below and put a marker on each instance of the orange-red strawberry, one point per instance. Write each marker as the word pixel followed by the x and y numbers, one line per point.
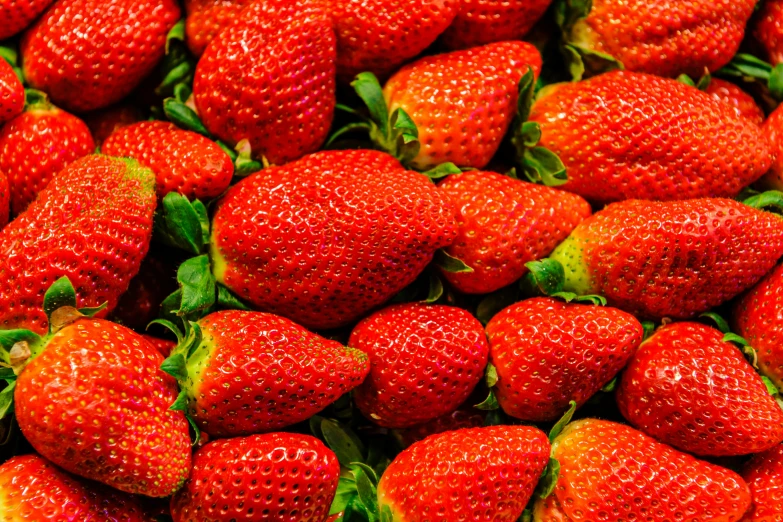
pixel 768 29
pixel 205 19
pixel 269 77
pixel 670 259
pixel 88 54
pixel 764 475
pixel 156 280
pixel 689 388
pixel 479 474
pixel 17 15
pixel 742 102
pixel 503 224
pixel 182 160
pixel 164 346
pixel 284 477
pixel 426 360
pixel 104 122
pixel 480 22
pixel 463 417
pixel 5 199
pixel 609 471
pixel 625 135
pixel 11 92
pixel 773 128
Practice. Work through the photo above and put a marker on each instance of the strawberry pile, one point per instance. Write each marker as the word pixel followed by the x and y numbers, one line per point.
pixel 391 261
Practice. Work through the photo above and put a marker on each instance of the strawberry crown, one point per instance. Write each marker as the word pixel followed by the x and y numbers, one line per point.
pixel 581 59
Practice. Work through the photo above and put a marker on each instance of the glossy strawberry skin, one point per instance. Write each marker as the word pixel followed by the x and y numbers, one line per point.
pixel 671 259
pixel 183 161
pixel 5 200
pixel 463 101
pixel 462 418
pixel 503 224
pixel 690 389
pixel 15 15
pixel 384 224
pixel 92 223
pixel 96 403
pixel 297 470
pixel 480 22
pixel 609 468
pixel 764 475
pixel 548 353
pixel 11 92
pixel 742 102
pixel 103 123
pixel 773 129
pixel 485 474
pixel 768 30
pixel 206 18
pixel 270 78
pixel 164 346
pixel 624 135
pixel 426 360
pixel 88 54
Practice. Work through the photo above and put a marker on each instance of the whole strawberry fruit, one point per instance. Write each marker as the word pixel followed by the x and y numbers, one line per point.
pixel 548 353
pixel 104 122
pixel 624 135
pixel 764 475
pixel 613 472
pixel 269 77
pixel 485 474
pixel 768 30
pixel 503 224
pixel 206 18
pixel 327 238
pixel 11 91
pixel 425 360
pixel 670 259
pixel 480 22
pixel 690 389
pixel 277 476
pixel 742 102
pixel 88 54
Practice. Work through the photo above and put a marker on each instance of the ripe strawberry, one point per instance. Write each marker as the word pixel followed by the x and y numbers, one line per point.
pixel 670 259
pixel 625 135
pixel 5 200
pixel 269 78
pixel 548 353
pixel 182 160
pixel 609 471
pixel 690 389
pixel 503 224
pixel 31 488
pixel 480 474
pixel 164 346
pixel 53 137
pixel 16 15
pixel 104 122
pixel 768 29
pixel 773 128
pixel 764 475
pixel 327 238
pixel 463 417
pixel 425 360
pixel 743 103
pixel 206 18
pixel 93 223
pixel 11 92
pixel 480 22
pixel 156 280
pixel 277 476
pixel 88 54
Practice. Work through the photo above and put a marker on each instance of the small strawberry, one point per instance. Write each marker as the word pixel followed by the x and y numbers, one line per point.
pixel 11 91
pixel 461 418
pixel 426 360
pixel 742 102
pixel 764 475
pixel 609 471
pixel 104 122
pixel 768 29
pixel 670 259
pixel 277 476
pixel 206 18
pixel 480 22
pixel 17 15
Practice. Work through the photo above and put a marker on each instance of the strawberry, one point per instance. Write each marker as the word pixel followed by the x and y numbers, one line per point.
pixel 463 417
pixel 480 22
pixel 182 160
pixel 764 474
pixel 670 259
pixel 609 471
pixel 689 388
pixel 768 30
pixel 327 238
pixel 278 476
pixel 547 353
pixel 88 54
pixel 206 18
pixel 164 346
pixel 480 474
pixel 52 136
pixel 425 361
pixel 11 92
pixel 270 78
pixel 104 122
pixel 5 200
pixel 625 135
pixel 16 15
pixel 31 488
pixel 503 224
pixel 743 103
pixel 773 128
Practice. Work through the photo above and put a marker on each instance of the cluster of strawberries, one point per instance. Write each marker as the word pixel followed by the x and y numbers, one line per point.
pixel 491 281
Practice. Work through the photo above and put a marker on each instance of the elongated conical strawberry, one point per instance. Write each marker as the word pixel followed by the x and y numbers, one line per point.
pixel 11 91
pixel 764 475
pixel 479 22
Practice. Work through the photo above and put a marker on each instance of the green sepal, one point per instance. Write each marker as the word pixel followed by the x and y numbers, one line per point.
pixel 771 388
pixel 568 12
pixel 196 431
pixel 176 366
pixel 748 68
pixel 435 291
pixel 610 386
pixel 526 516
pixel 182 92
pixel 368 88
pixel 386 514
pixel 170 305
pixel 184 117
pixel 493 303
pixel 449 263
pixel 545 277
pixel 169 325
pixel 442 170
pixel 704 82
pixel 687 80
pixel 346 491
pixel 91 311
pixel 560 424
pixel 7 374
pixel 775 82
pixel 347 129
pixel 583 62
pixel 34 98
pixel 730 337
pixel 176 33
pixel 495 418
pixel 404 137
pixel 10 55
pixel 182 224
pixel 649 328
pixel 8 338
pixel 7 400
pixel 346 446
pixel 525 95
pixel 770 198
pixel 594 299
pixel 488 404
pixel 348 109
pixel 176 76
pixel 541 165
pixel 548 481
pixel 181 403
pixel 719 321
pixel 530 134
pixel 491 375
pixel 226 300
pixel 60 293
pixel 198 286
pixel 244 164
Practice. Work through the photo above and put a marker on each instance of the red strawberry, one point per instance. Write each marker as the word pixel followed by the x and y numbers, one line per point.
pixel 269 78
pixel 690 389
pixel 773 128
pixel 625 135
pixel 768 29
pixel 548 353
pixel 206 18
pixel 104 122
pixel 480 22
pixel 463 417
pixel 156 279
pixel 11 91
pixel 17 15
pixel 764 475
pixel 31 488
pixel 670 259
pixel 743 103
pixel 425 359
pixel 164 346
pixel 88 54
pixel 329 237
pixel 479 474
pixel 5 200
pixel 277 476
pixel 609 471
pixel 53 137
pixel 503 224
pixel 182 160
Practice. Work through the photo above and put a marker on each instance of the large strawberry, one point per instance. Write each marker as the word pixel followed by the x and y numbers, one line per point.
pixel 609 471
pixel 16 15
pixel 670 259
pixel 425 360
pixel 548 353
pixel 689 388
pixel 88 54
pixel 327 238
pixel 269 77
pixel 768 29
pixel 480 22
pixel 764 475
pixel 205 19
pixel 11 91
pixel 625 135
